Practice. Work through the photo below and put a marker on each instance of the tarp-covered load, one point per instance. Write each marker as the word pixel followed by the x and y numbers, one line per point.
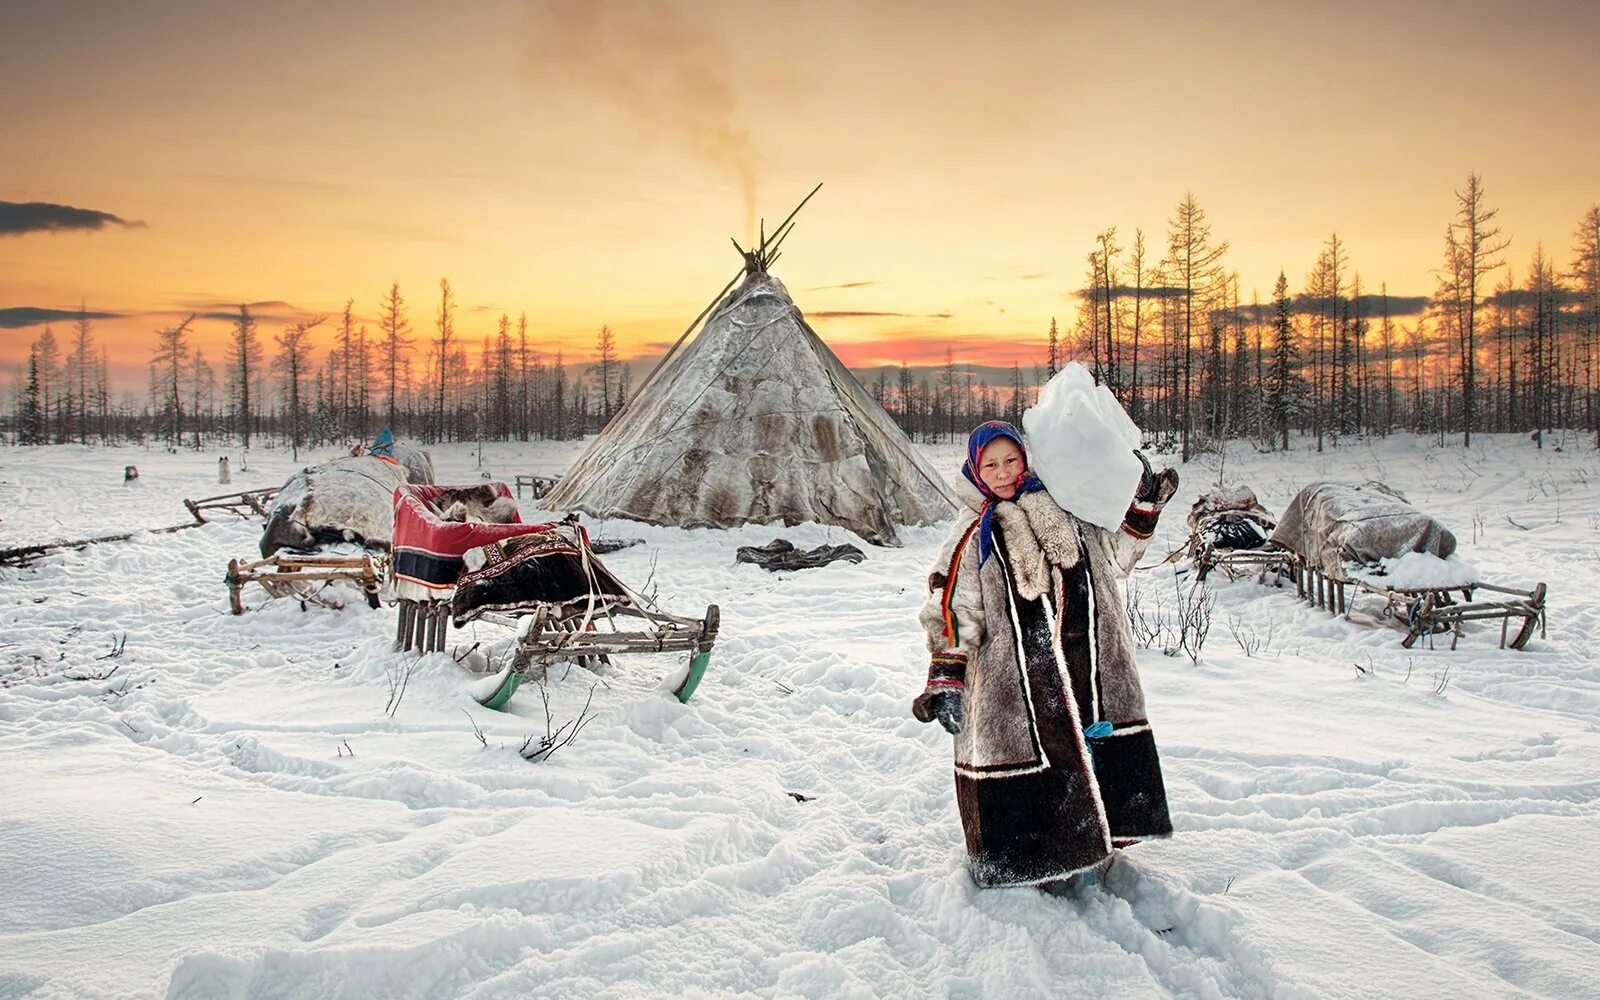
pixel 1351 540
pixel 1231 518
pixel 348 499
pixel 1334 525
pixel 435 526
pixel 755 421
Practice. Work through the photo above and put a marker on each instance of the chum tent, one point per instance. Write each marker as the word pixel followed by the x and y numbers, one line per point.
pixel 756 420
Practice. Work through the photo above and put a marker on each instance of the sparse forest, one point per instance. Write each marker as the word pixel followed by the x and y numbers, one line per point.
pixel 1193 359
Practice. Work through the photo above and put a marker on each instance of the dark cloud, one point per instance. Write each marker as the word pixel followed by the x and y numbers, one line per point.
pixel 1128 291
pixel 1300 305
pixel 19 317
pixel 1370 305
pixel 214 303
pixel 21 217
pixel 848 284
pixel 1522 298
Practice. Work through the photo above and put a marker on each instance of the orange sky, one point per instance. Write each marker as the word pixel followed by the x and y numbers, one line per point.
pixel 586 162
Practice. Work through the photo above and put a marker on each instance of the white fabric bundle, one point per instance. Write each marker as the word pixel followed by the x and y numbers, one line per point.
pixel 1081 446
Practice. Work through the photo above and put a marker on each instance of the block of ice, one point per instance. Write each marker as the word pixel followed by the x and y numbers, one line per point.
pixel 1081 446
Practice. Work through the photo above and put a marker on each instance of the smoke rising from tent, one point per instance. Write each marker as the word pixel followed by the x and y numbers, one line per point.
pixel 672 73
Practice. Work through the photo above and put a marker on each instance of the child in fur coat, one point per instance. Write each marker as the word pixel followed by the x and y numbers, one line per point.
pixel 1033 673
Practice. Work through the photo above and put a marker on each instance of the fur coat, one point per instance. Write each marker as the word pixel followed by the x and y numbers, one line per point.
pixel 1037 642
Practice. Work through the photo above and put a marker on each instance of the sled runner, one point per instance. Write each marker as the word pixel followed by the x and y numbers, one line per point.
pixel 1347 540
pixel 1230 531
pixel 541 580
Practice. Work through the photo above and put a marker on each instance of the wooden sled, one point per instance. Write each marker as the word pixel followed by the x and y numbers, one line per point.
pixel 1238 563
pixel 558 634
pixel 246 504
pixel 539 486
pixel 1429 611
pixel 1232 516
pixel 303 577
pixel 586 621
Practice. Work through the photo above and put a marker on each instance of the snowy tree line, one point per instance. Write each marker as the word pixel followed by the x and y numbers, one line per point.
pixel 430 388
pixel 1193 362
pixel 1169 333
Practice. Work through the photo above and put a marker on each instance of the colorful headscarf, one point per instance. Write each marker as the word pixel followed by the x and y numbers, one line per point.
pixel 981 437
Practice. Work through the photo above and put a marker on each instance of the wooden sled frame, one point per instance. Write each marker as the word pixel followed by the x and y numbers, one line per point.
pixel 558 633
pixel 1429 610
pixel 241 504
pixel 287 575
pixel 1237 563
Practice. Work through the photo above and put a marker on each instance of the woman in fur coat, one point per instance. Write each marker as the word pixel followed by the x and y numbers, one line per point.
pixel 1033 672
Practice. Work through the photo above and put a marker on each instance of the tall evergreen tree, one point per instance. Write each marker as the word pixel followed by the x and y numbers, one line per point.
pixel 30 421
pixel 1282 395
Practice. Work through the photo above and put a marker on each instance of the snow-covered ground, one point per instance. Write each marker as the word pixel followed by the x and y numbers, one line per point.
pixel 225 810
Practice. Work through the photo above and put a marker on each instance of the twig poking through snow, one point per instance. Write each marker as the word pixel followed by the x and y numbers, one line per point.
pixel 399 678
pixel 538 749
pixel 475 730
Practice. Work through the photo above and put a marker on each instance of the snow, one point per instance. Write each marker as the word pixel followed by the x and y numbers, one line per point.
pixel 1081 446
pixel 1421 569
pixel 226 809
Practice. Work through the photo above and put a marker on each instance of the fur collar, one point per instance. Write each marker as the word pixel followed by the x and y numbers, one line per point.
pixel 968 494
pixel 1038 534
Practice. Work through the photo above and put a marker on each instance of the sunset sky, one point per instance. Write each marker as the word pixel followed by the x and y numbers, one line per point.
pixel 586 162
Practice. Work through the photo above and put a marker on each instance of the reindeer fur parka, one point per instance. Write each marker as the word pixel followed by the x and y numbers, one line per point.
pixel 1037 642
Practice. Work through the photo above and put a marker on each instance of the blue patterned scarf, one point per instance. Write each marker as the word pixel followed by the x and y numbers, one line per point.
pixel 981 436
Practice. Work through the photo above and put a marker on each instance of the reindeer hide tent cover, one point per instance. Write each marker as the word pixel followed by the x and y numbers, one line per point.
pixel 756 421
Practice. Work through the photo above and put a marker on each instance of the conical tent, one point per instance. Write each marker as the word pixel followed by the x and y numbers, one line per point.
pixel 756 420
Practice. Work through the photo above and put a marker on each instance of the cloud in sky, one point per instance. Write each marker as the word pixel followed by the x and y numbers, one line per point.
pixel 862 313
pixel 920 349
pixel 215 302
pixel 848 284
pixel 18 218
pixel 21 317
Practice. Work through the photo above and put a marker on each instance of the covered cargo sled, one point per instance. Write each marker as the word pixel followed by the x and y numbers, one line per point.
pixel 541 580
pixel 329 523
pixel 1230 531
pixel 1350 539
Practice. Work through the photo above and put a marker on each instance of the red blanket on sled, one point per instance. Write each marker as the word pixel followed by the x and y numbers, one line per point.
pixel 428 550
